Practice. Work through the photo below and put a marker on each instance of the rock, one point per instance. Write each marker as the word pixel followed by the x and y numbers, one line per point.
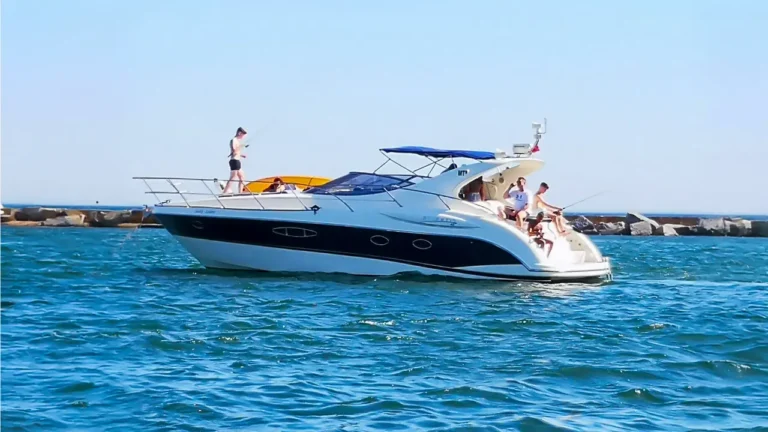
pixel 15 223
pixel 737 227
pixel 142 226
pixel 143 217
pixel 610 228
pixel 151 219
pixel 109 219
pixel 137 216
pixel 69 212
pixel 595 219
pixel 583 225
pixel 677 220
pixel 65 221
pixel 90 216
pixel 670 230
pixel 684 230
pixel 116 219
pixel 641 228
pixel 759 229
pixel 711 227
pixel 9 215
pixel 632 218
pixel 37 214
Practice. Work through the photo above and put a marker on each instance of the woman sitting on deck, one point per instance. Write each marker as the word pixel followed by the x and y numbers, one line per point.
pixel 277 186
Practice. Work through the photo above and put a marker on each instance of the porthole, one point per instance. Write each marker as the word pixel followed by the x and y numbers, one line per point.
pixel 422 244
pixel 197 225
pixel 295 232
pixel 379 240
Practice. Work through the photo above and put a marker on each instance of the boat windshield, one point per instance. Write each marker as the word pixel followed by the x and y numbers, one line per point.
pixel 362 184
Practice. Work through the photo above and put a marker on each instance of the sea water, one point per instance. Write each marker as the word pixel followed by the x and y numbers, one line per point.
pixel 110 330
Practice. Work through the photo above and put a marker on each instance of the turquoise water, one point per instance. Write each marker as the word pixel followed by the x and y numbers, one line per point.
pixel 105 332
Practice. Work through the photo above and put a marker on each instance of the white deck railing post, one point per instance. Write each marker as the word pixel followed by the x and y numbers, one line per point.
pixel 170 182
pixel 393 198
pixel 203 181
pixel 151 190
pixel 256 199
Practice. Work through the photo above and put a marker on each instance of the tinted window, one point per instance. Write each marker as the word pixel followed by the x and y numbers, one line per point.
pixel 360 184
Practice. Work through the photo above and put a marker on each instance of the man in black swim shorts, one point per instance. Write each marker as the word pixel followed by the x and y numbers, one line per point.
pixel 236 147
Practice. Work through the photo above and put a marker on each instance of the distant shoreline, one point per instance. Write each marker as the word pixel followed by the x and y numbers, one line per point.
pixel 97 207
pixel 633 224
pixel 94 207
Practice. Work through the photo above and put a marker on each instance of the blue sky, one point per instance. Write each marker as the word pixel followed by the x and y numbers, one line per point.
pixel 661 103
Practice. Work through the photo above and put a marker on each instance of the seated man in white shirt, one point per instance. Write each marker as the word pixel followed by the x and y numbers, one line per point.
pixel 519 201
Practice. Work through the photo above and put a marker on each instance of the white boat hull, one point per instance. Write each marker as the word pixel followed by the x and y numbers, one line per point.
pixel 232 256
pixel 385 224
pixel 376 235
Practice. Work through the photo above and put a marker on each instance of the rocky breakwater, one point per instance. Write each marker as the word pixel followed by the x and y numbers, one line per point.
pixel 635 224
pixel 57 217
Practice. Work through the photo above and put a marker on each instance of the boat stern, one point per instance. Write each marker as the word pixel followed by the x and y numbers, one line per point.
pixel 573 256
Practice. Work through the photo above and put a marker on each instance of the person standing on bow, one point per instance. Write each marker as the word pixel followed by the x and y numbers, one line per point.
pixel 236 147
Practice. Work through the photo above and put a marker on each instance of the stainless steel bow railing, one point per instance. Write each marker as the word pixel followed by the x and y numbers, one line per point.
pixel 220 200
pixel 186 196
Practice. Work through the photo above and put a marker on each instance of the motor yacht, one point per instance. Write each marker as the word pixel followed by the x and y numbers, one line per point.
pixel 377 224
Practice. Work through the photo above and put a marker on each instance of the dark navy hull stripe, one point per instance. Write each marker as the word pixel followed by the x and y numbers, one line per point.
pixel 427 250
pixel 508 277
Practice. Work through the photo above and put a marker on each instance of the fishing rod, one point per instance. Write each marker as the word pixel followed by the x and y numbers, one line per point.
pixel 582 200
pixel 230 153
pixel 255 134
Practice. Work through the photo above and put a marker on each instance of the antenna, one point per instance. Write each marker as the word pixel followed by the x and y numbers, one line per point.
pixel 525 150
pixel 539 129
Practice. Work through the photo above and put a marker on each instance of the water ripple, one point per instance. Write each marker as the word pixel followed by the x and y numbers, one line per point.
pixel 98 336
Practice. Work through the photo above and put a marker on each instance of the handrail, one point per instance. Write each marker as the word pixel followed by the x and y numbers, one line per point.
pixel 170 182
pixel 254 197
pixel 441 196
pixel 222 204
pixel 299 199
pixel 150 190
pixel 204 181
pixel 145 178
pixel 214 195
pixel 393 198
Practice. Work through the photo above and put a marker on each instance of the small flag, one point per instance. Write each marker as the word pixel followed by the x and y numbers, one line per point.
pixel 535 147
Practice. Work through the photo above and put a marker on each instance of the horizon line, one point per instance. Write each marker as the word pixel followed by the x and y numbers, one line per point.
pixel 595 212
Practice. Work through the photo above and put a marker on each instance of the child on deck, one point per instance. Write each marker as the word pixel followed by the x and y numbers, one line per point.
pixel 536 231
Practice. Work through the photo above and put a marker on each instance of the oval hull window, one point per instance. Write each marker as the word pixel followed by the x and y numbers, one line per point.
pixel 422 244
pixel 197 225
pixel 294 232
pixel 379 240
